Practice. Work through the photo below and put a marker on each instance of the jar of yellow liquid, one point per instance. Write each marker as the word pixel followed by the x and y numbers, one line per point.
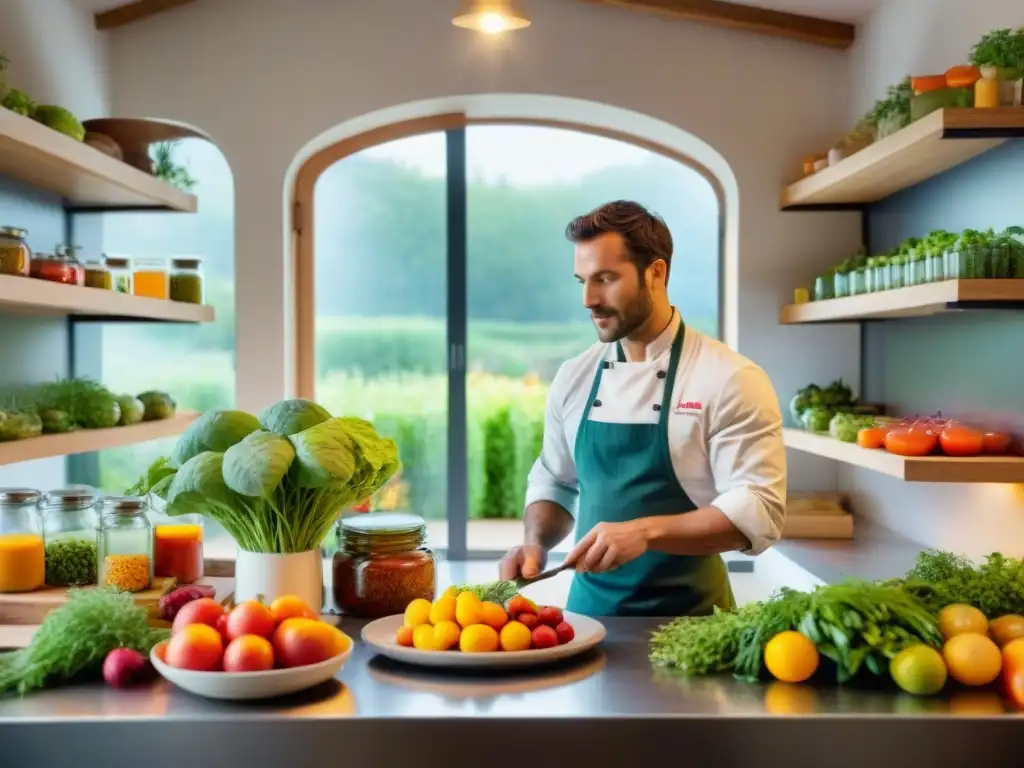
pixel 150 278
pixel 22 551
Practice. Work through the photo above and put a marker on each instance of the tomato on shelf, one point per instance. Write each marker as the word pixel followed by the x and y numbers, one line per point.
pixel 911 441
pixel 960 440
pixel 995 443
pixel 872 438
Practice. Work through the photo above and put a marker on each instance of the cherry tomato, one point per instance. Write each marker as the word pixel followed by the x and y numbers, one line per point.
pixel 910 442
pixel 872 437
pixel 995 443
pixel 958 440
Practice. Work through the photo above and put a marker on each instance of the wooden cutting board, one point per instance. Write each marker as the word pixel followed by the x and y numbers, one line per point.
pixel 812 515
pixel 31 607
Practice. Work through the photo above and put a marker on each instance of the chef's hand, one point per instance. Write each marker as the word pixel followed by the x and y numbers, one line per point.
pixel 527 561
pixel 609 545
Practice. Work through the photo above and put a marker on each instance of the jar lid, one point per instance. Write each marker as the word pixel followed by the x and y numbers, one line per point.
pixel 187 262
pixel 125 506
pixel 153 261
pixel 19 495
pixel 95 264
pixel 69 499
pixel 14 232
pixel 382 523
pixel 118 262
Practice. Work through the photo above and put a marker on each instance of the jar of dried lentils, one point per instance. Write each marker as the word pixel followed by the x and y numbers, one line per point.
pixel 125 544
pixel 382 564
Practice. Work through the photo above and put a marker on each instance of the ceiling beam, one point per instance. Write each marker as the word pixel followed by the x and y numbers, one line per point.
pixel 132 12
pixel 809 29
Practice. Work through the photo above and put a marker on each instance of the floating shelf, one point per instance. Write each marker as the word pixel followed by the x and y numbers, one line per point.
pixel 935 143
pixel 929 469
pixel 29 296
pixel 85 177
pixel 913 301
pixel 88 440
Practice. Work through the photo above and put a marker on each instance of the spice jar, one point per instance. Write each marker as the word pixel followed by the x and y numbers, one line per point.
pixel 178 548
pixel 125 544
pixel 150 278
pixel 120 268
pixel 69 529
pixel 60 267
pixel 382 564
pixel 187 280
pixel 22 552
pixel 98 276
pixel 15 255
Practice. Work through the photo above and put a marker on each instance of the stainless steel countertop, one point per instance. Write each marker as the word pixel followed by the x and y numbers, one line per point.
pixel 611 697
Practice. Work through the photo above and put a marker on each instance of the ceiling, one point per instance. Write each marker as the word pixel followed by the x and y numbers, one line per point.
pixel 839 10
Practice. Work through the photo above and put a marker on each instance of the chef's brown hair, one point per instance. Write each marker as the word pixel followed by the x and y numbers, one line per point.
pixel 646 235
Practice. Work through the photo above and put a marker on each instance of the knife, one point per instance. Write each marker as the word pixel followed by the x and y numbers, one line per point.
pixel 521 582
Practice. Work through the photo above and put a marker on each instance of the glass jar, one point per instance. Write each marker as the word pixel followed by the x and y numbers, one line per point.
pixel 22 550
pixel 60 267
pixel 98 276
pixel 178 548
pixel 187 280
pixel 883 278
pixel 824 287
pixel 69 528
pixel 1001 260
pixel 150 278
pixel 935 267
pixel 858 281
pixel 896 274
pixel 382 564
pixel 15 255
pixel 125 544
pixel 914 270
pixel 841 285
pixel 120 268
pixel 869 276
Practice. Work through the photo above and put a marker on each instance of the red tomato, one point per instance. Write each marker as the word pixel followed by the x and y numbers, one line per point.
pixel 995 443
pixel 205 610
pixel 250 618
pixel 196 646
pixel 958 440
pixel 527 619
pixel 249 653
pixel 545 637
pixel 549 615
pixel 1013 672
pixel 910 442
pixel 565 633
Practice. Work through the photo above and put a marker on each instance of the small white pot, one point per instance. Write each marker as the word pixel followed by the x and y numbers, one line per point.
pixel 270 575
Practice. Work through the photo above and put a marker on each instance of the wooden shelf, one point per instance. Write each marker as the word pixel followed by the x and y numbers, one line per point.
pixel 933 144
pixel 929 469
pixel 914 301
pixel 29 296
pixel 88 440
pixel 85 177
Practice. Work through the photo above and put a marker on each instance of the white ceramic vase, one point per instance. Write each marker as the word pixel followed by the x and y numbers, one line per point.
pixel 270 575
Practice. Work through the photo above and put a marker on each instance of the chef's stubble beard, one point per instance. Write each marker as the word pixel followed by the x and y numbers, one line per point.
pixel 635 315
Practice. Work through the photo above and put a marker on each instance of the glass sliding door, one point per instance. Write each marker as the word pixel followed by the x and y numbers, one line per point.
pixel 381 292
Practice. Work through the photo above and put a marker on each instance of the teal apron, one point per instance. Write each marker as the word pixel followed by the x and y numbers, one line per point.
pixel 625 472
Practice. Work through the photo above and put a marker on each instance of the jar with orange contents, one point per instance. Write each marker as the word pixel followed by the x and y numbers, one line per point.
pixel 125 544
pixel 178 548
pixel 22 550
pixel 151 279
pixel 382 564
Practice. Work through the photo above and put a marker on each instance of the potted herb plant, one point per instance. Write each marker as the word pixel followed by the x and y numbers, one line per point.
pixel 1000 56
pixel 893 112
pixel 277 483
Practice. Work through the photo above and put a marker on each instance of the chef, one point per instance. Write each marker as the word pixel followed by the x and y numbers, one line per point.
pixel 661 445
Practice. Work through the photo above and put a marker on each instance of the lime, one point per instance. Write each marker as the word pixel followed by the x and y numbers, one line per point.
pixel 919 670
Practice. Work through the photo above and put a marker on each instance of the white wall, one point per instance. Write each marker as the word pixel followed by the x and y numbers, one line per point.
pixel 58 58
pixel 265 78
pixel 910 37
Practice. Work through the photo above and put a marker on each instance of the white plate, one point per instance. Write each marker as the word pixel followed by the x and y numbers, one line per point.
pixel 380 635
pixel 251 685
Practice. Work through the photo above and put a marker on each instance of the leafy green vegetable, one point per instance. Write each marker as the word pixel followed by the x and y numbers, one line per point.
pixel 496 592
pixel 845 426
pixel 75 638
pixel 893 111
pixel 703 645
pixel 816 418
pixel 1002 49
pixel 290 416
pixel 60 120
pixel 18 101
pixel 271 492
pixel 71 562
pixel 996 587
pixel 132 409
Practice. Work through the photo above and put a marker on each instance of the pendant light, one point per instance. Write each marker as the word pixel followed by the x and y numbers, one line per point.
pixel 491 17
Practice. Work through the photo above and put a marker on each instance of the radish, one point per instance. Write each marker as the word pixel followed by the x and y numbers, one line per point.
pixel 123 666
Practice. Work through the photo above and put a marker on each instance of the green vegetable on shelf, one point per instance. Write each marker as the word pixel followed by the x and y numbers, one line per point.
pixel 816 418
pixel 19 102
pixel 845 426
pixel 19 426
pixel 60 120
pixel 157 405
pixel 70 562
pixel 132 409
pixel 75 638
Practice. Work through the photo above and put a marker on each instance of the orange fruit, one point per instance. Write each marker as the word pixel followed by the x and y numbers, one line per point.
pixel 404 636
pixel 443 609
pixel 446 635
pixel 195 646
pixel 1006 629
pixel 291 607
pixel 791 657
pixel 972 659
pixel 423 638
pixel 417 612
pixel 515 637
pixel 468 610
pixel 958 619
pixel 494 615
pixel 249 653
pixel 478 638
pixel 249 618
pixel 299 642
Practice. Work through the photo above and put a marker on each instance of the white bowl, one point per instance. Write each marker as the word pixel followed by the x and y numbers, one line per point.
pixel 251 685
pixel 380 635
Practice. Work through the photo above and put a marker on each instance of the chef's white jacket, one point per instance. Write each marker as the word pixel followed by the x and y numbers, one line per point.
pixel 724 428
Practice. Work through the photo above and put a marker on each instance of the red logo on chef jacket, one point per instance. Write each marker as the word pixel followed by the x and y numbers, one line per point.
pixel 690 407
